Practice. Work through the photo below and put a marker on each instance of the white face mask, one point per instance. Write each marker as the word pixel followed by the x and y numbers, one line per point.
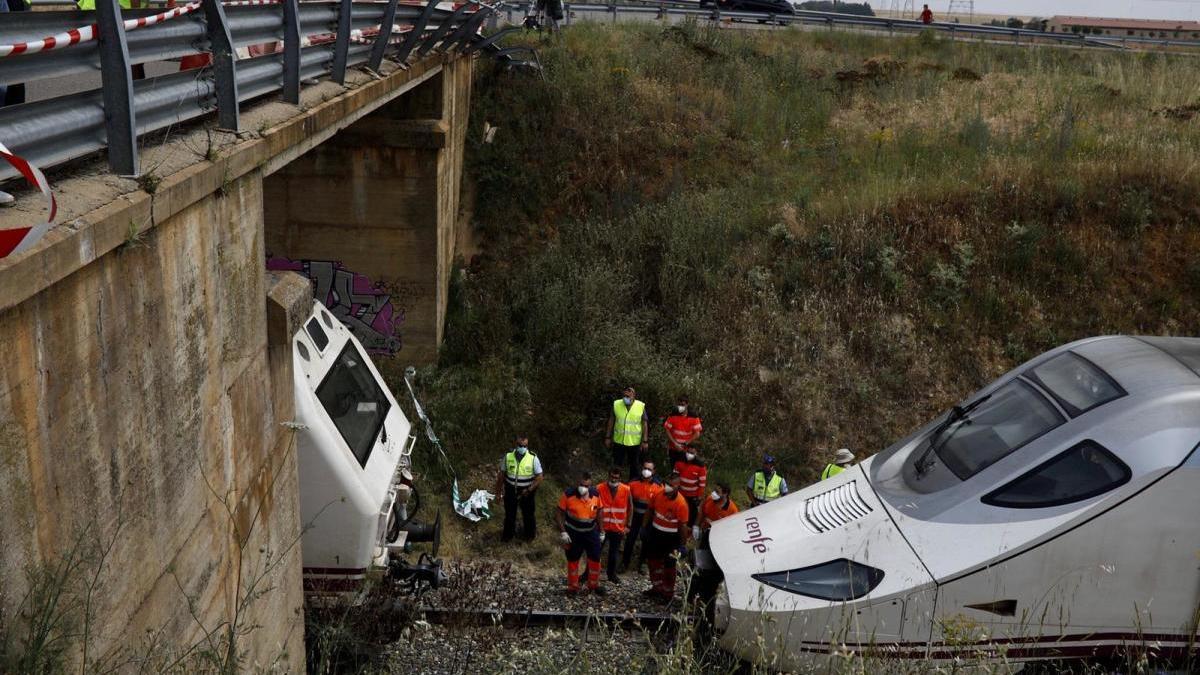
pixel 716 496
pixel 646 473
pixel 521 449
pixel 690 456
pixel 612 484
pixel 627 400
pixel 583 490
pixel 681 409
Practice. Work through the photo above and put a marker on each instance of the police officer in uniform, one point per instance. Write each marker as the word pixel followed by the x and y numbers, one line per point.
pixel 626 431
pixel 519 477
pixel 766 485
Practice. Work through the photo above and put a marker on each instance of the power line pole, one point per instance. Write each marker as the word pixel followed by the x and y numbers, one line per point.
pixel 962 7
pixel 902 9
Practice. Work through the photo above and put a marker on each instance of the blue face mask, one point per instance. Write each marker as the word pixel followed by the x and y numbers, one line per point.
pixel 521 449
pixel 627 400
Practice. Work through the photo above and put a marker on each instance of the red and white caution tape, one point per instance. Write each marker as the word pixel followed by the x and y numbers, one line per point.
pixel 88 33
pixel 22 239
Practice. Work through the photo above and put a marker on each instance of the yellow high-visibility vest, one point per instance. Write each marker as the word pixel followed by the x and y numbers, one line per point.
pixel 90 5
pixel 627 425
pixel 831 470
pixel 764 490
pixel 519 472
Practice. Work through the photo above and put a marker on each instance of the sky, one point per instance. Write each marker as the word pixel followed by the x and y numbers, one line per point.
pixel 1142 9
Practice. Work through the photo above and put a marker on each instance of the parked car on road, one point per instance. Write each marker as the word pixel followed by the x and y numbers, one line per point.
pixel 765 6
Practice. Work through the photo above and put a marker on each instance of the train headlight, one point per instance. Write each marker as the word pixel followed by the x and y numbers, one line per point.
pixel 838 580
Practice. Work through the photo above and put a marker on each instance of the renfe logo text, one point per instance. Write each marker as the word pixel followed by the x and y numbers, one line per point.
pixel 757 541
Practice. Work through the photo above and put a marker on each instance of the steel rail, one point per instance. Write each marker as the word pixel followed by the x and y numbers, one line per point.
pixel 530 618
pixel 61 129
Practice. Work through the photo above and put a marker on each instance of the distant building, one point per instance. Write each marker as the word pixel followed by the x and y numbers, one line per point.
pixel 1119 28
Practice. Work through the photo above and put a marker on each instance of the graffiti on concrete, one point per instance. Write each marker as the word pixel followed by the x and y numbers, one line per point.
pixel 364 307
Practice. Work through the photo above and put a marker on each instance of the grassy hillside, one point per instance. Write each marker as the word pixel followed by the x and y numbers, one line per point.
pixel 825 239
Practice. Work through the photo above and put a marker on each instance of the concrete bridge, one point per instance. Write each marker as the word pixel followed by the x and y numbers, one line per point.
pixel 145 368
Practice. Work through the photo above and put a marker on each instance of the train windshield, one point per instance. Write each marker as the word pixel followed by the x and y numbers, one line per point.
pixel 1012 416
pixel 1076 383
pixel 354 401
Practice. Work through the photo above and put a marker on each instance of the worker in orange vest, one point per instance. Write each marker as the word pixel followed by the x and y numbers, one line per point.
pixel 579 527
pixel 719 505
pixel 616 506
pixel 641 491
pixel 666 520
pixel 693 480
pixel 683 428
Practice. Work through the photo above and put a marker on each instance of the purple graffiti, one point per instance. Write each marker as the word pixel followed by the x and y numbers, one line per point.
pixel 364 307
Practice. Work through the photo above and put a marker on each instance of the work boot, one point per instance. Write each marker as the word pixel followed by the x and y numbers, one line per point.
pixel 612 576
pixel 600 591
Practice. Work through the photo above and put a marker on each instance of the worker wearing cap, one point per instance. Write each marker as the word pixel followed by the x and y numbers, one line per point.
pixel 579 513
pixel 617 506
pixel 626 431
pixel 519 477
pixel 841 461
pixel 641 491
pixel 766 485
pixel 682 427
pixel 693 480
pixel 666 520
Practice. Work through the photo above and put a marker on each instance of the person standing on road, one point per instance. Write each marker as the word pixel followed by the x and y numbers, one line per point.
pixel 519 477
pixel 926 15
pixel 683 428
pixel 579 512
pixel 693 481
pixel 666 520
pixel 626 431
pixel 641 491
pixel 617 505
pixel 766 485
pixel 841 461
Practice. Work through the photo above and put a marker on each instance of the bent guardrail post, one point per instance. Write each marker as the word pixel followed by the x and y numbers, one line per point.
pixel 120 127
pixel 385 35
pixel 223 65
pixel 341 47
pixel 491 39
pixel 464 33
pixel 291 51
pixel 443 28
pixel 418 28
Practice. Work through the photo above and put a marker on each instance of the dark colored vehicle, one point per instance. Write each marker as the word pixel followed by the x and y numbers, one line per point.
pixel 765 6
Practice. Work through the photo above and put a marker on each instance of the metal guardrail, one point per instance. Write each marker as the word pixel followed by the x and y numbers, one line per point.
pixel 318 38
pixel 836 19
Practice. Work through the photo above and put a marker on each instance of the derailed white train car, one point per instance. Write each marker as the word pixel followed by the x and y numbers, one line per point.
pixel 354 446
pixel 1054 515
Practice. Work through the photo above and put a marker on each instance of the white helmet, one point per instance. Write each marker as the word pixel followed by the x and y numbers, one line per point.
pixel 843 456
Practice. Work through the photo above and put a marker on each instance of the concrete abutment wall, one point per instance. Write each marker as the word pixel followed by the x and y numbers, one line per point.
pixel 370 216
pixel 146 376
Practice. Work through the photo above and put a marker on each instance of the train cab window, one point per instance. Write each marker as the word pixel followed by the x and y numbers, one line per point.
pixel 354 402
pixel 1076 383
pixel 839 580
pixel 1011 417
pixel 319 338
pixel 1080 473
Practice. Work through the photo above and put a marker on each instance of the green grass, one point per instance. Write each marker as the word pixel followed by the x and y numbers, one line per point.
pixel 824 238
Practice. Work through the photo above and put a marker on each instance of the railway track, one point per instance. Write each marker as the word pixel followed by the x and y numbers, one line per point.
pixel 530 618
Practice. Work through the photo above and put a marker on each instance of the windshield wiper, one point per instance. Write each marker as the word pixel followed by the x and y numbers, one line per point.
pixel 925 462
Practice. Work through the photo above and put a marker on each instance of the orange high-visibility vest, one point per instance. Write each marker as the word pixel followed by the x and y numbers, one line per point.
pixel 669 512
pixel 615 507
pixel 642 492
pixel 693 478
pixel 580 512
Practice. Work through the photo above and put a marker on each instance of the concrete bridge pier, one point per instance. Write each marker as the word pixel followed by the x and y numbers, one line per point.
pixel 370 216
